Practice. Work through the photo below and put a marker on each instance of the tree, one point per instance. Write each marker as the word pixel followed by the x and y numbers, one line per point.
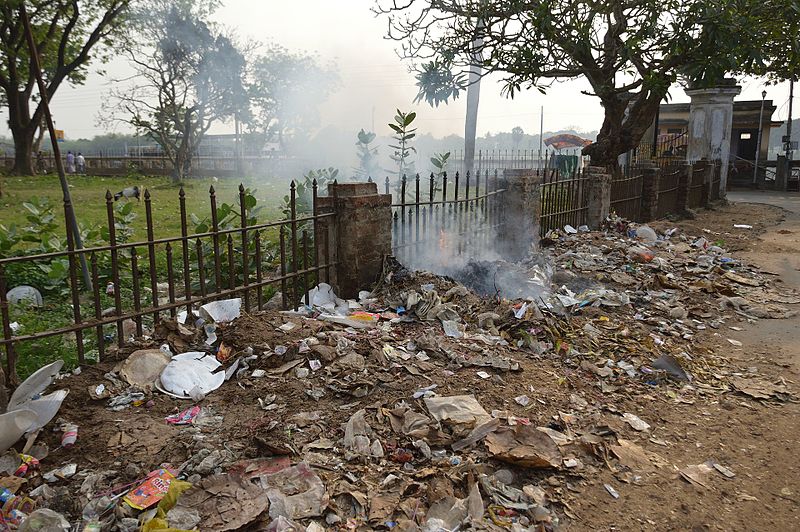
pixel 630 51
pixel 517 134
pixel 69 34
pixel 285 89
pixel 368 164
pixel 189 75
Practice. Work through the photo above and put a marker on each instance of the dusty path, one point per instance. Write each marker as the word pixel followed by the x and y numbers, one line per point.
pixel 777 250
pixel 759 441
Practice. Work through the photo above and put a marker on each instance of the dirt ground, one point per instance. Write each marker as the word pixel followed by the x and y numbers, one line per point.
pixel 755 439
pixel 759 441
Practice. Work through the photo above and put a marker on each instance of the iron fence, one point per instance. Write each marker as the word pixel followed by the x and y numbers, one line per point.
pixel 234 256
pixel 159 165
pixel 667 151
pixel 564 199
pixel 447 219
pixel 626 195
pixel 517 159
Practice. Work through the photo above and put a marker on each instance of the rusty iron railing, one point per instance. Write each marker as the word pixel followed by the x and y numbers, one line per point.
pixel 304 261
pixel 564 200
pixel 449 218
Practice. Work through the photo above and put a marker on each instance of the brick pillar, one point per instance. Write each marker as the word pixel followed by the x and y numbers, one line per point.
pixel 361 235
pixel 684 182
pixel 651 175
pixel 599 192
pixel 521 211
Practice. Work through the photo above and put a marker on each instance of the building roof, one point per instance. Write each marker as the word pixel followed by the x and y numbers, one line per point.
pixel 746 114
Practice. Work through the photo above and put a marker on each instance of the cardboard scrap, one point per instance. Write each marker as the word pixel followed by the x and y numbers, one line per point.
pixel 524 445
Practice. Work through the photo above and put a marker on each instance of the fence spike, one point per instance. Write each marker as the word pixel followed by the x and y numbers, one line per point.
pixel 201 267
pixel 245 247
pixel 215 240
pixel 98 311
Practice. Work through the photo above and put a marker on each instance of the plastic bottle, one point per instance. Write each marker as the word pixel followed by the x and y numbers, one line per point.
pixel 70 435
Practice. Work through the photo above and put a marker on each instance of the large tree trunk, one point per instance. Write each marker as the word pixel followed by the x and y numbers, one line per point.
pixel 627 118
pixel 22 131
pixel 23 150
pixel 471 122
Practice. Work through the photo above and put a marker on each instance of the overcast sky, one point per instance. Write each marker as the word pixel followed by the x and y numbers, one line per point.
pixel 373 78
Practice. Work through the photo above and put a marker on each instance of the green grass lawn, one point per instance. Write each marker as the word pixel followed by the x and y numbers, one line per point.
pixel 88 196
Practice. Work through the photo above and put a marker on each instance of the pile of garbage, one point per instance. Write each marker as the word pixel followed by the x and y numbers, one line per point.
pixel 419 406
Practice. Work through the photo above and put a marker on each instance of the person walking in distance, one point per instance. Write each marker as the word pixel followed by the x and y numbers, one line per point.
pixel 80 161
pixel 70 162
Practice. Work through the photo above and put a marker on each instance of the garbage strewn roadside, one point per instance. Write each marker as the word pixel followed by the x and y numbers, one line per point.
pixel 420 406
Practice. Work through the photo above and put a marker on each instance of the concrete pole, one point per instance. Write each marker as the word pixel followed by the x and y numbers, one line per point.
pixel 789 149
pixel 756 180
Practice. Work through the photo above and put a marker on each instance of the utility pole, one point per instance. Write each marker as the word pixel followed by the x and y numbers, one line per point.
pixel 758 142
pixel 237 144
pixel 789 149
pixel 72 222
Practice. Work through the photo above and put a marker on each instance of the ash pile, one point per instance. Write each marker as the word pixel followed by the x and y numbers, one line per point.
pixel 422 405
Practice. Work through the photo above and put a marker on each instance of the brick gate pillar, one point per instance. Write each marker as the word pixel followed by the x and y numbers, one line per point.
pixel 599 192
pixel 651 176
pixel 521 211
pixel 359 233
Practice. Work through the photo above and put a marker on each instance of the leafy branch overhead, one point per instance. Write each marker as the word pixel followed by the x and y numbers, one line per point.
pixel 630 52
pixel 69 35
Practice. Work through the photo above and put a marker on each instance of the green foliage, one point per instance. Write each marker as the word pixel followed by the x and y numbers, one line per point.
pixel 229 217
pixel 629 52
pixel 191 69
pixel 368 165
pixel 33 355
pixel 403 136
pixel 284 90
pixel 43 234
pixel 439 161
pixel 438 84
pixel 69 35
pixel 304 191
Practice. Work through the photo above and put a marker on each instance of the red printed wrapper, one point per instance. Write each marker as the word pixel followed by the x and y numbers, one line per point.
pixel 151 491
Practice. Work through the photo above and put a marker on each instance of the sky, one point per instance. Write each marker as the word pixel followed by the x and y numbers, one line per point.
pixel 374 81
